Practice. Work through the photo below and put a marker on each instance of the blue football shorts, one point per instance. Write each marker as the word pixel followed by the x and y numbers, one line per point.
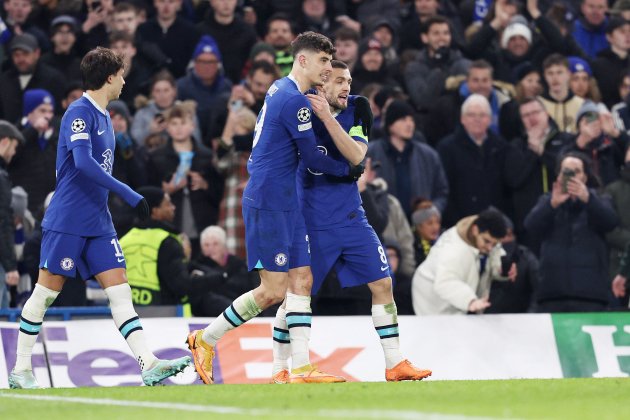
pixel 354 251
pixel 63 254
pixel 274 239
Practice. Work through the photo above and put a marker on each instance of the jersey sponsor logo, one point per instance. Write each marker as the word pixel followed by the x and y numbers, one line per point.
pixel 107 161
pixel 280 259
pixel 100 132
pixel 77 125
pixel 304 127
pixel 304 114
pixel 324 151
pixel 67 264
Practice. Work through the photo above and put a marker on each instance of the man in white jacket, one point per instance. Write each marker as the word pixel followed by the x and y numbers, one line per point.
pixel 455 277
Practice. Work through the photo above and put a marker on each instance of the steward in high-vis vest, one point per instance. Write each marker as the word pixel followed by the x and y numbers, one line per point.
pixel 157 270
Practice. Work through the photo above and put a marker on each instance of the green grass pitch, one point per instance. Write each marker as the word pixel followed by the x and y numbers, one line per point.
pixel 436 400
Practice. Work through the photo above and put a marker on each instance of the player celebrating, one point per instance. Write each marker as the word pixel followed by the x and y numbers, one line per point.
pixel 77 228
pixel 340 235
pixel 270 207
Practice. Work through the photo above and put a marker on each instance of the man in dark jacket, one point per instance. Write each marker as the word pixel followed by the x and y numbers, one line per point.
pixel 411 168
pixel 28 73
pixel 612 63
pixel 572 221
pixel 9 139
pixel 532 162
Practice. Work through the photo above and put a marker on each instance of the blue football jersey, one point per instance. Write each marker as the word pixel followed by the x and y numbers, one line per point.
pixel 79 205
pixel 284 119
pixel 327 201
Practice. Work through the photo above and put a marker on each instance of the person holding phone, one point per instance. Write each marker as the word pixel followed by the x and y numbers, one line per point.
pixel 97 23
pixel 598 138
pixel 571 224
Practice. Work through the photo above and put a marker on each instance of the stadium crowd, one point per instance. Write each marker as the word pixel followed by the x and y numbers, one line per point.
pixel 519 106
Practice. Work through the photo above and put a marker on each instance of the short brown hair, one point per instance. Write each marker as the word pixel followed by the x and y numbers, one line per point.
pixel 183 110
pixel 338 64
pixel 97 65
pixel 312 41
pixel 555 60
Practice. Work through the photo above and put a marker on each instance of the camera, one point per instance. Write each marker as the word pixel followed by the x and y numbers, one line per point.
pixel 566 175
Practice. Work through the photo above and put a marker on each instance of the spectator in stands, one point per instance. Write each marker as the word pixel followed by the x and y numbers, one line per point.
pixel 455 278
pixel 27 73
pixel 10 138
pixel 279 35
pixel 425 76
pixel 205 82
pixel 173 35
pixel 474 162
pixel 444 116
pixel 226 273
pixel 184 170
pixel 17 21
pixel 612 63
pixel 347 46
pixel 125 18
pixel 559 101
pixel 621 111
pixel 234 37
pixel 155 256
pixel 371 67
pixel 599 139
pixel 149 118
pixel 561 14
pixel 97 24
pixel 316 17
pixel 33 166
pixel 411 168
pixel 621 8
pixel 73 91
pixel 589 29
pixel 137 73
pixel 427 225
pixel 582 83
pixel 385 33
pixel 619 237
pixel 532 161
pixel 527 85
pixel 249 94
pixel 412 29
pixel 572 221
pixel 515 296
pixel 63 56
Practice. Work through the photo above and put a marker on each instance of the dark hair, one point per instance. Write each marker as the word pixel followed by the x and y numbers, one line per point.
pixel 279 16
pixel 347 34
pixel 163 76
pixel 591 179
pixel 530 99
pixel 98 65
pixel 120 36
pixel 555 60
pixel 312 41
pixel 264 66
pixel 493 222
pixel 338 64
pixel 70 87
pixel 434 20
pixel 481 65
pixel 123 6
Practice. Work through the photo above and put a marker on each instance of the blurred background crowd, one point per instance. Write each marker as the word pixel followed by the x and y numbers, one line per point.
pixel 522 106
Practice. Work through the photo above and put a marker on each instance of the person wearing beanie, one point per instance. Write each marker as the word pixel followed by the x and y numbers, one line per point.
pixel 33 166
pixel 10 138
pixel 205 82
pixel 612 63
pixel 410 167
pixel 528 85
pixel 426 221
pixel 371 66
pixel 601 140
pixel 231 33
pixel 425 76
pixel 64 53
pixel 582 83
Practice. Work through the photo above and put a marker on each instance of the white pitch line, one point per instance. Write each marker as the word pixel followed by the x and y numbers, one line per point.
pixel 254 412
